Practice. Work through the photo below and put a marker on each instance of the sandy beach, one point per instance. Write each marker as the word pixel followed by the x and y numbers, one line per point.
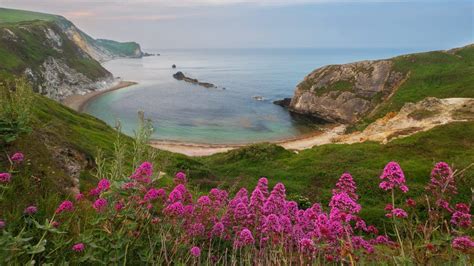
pixel 77 101
pixel 296 144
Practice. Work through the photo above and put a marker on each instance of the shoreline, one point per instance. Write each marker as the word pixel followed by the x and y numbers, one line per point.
pixel 78 101
pixel 297 143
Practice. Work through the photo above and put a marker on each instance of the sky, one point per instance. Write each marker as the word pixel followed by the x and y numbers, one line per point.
pixel 160 24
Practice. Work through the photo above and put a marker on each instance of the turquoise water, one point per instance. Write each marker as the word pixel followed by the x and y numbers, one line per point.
pixel 185 112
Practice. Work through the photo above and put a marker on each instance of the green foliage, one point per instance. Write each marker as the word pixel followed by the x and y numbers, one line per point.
pixel 16 98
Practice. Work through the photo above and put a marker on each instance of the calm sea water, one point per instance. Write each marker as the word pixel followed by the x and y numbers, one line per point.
pixel 185 112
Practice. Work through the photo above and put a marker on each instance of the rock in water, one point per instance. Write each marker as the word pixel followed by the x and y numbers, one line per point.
pixel 180 76
pixel 173 66
pixel 283 102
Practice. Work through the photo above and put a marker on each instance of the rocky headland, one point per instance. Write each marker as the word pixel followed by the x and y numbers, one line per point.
pixel 180 76
pixel 62 60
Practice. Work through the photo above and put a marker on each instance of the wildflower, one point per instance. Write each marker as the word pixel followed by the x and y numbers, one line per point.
pixel 217 229
pixel 345 204
pixel 244 238
pixel 18 157
pixel 103 185
pixel 443 204
pixel 463 243
pixel 128 185
pixel 442 181
pixel 180 178
pixel 276 203
pixel 393 177
pixel 262 185
pixel 55 224
pixel 2 224
pixel 119 206
pixel 30 210
pixel 461 217
pixel 204 201
pixel 195 251
pixel 100 204
pixel 358 243
pixel 143 173
pixel 271 224
pixel 65 206
pixel 94 192
pixel 430 247
pixel 346 184
pixel 5 177
pixel 176 209
pixel 399 213
pixel 411 202
pixel 153 194
pixel 79 247
pixel 196 229
pixel 306 246
pixel 388 207
pixel 79 197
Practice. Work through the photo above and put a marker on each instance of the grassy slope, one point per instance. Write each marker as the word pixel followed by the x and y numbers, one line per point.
pixel 54 123
pixel 119 48
pixel 437 74
pixel 14 16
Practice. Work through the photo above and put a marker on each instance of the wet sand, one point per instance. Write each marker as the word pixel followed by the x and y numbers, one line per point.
pixel 78 101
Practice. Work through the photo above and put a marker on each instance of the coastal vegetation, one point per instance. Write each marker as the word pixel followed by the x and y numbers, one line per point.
pixel 74 190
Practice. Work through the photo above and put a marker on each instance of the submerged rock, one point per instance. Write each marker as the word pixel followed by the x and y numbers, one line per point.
pixel 258 98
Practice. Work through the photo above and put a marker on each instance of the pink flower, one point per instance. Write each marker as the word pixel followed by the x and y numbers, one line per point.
pixel 65 206
pixel 143 173
pixel 461 217
pixel 388 207
pixel 79 247
pixel 17 157
pixel 463 243
pixel 154 193
pixel 262 185
pixel 244 238
pixel 393 177
pixel 217 229
pixel 411 202
pixel 306 246
pixel 2 224
pixel 79 197
pixel 30 210
pixel 5 177
pixel 100 204
pixel 399 213
pixel 346 184
pixel 343 203
pixel 55 224
pixel 94 192
pixel 103 185
pixel 180 178
pixel 119 206
pixel 176 209
pixel 195 251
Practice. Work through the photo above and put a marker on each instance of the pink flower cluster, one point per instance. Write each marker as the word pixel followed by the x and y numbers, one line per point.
pixel 18 157
pixel 461 216
pixel 393 177
pixel 65 206
pixel 5 177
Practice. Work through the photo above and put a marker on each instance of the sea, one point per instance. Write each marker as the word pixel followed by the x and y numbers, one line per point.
pixel 239 111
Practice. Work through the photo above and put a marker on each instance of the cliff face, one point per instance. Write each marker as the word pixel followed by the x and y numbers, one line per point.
pixel 57 57
pixel 345 93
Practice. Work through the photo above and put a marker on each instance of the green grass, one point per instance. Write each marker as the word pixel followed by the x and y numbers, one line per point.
pixel 15 15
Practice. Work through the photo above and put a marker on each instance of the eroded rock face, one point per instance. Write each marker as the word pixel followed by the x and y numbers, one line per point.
pixel 345 93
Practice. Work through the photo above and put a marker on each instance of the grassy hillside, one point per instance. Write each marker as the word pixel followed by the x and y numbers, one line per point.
pixel 121 48
pixel 14 16
pixel 440 74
